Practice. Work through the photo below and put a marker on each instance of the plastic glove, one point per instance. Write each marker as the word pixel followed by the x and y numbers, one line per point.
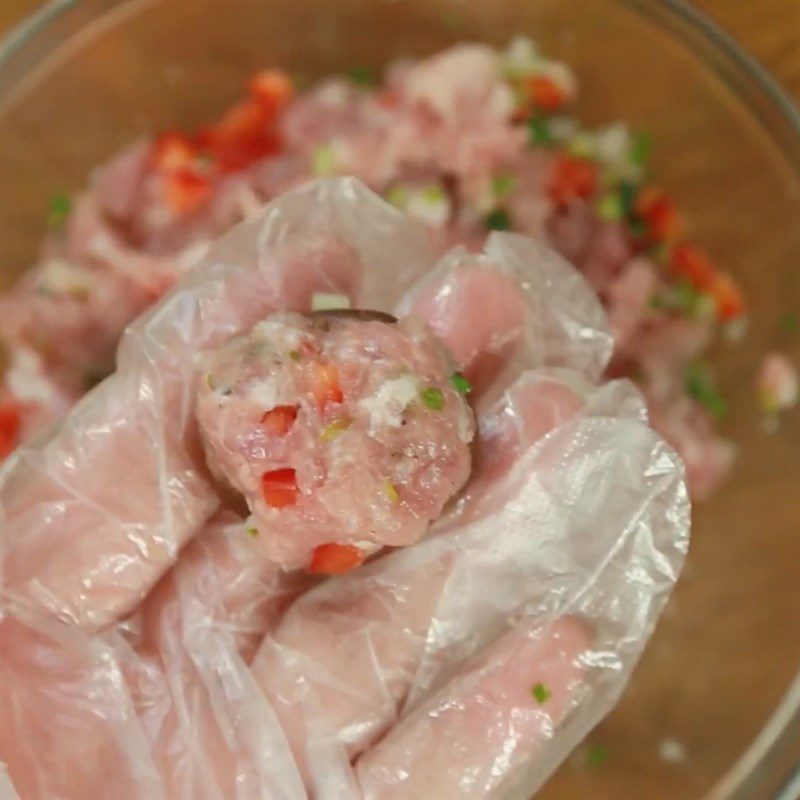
pixel 151 651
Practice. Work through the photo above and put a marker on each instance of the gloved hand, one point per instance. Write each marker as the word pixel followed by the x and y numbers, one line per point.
pixel 150 650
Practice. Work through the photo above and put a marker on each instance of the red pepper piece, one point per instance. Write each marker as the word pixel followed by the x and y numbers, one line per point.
pixel 186 191
pixel 241 137
pixel 10 427
pixel 694 264
pixel 334 559
pixel 728 297
pixel 272 89
pixel 545 93
pixel 279 488
pixel 572 178
pixel 662 218
pixel 325 384
pixel 278 420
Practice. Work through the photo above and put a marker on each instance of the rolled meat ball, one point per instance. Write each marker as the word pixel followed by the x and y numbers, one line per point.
pixel 343 433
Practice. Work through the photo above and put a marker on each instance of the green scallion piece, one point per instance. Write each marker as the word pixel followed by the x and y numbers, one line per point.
pixel 398 197
pixel 609 207
pixel 539 132
pixel 460 383
pixel 252 532
pixel 541 693
pixel 330 432
pixel 433 194
pixel 498 220
pixel 503 184
pixel 362 76
pixel 60 206
pixel 627 197
pixel 637 227
pixel 433 398
pixel 391 493
pixel 699 384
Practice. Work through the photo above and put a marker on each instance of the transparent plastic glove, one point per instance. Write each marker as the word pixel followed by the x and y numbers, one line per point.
pixel 467 665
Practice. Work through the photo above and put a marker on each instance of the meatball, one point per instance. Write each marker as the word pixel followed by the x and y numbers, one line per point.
pixel 343 433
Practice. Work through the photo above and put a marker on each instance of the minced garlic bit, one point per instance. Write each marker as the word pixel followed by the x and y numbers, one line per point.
pixel 386 406
pixel 672 751
pixel 329 301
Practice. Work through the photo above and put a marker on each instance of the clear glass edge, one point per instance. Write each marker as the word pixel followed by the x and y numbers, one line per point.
pixel 775 736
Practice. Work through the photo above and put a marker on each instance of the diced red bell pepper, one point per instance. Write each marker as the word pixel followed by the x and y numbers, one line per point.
pixel 662 218
pixel 244 121
pixel 572 178
pixel 272 89
pixel 693 263
pixel 728 297
pixel 186 191
pixel 278 420
pixel 334 559
pixel 325 384
pixel 279 488
pixel 241 137
pixel 173 151
pixel 545 93
pixel 10 427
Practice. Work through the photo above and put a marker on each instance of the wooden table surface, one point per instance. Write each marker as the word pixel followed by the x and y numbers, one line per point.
pixel 769 29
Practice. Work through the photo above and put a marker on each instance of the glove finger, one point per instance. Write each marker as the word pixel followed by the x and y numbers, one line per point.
pixel 468 740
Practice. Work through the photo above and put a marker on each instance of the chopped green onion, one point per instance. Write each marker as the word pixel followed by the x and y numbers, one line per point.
pixel 252 532
pixel 210 381
pixel 433 194
pixel 330 432
pixel 541 693
pixel 294 355
pixel 323 160
pixel 637 227
pixel 60 206
pixel 498 220
pixel 582 145
pixel 788 322
pixel 641 146
pixel 539 132
pixel 398 196
pixel 391 492
pixel 362 76
pixel 684 298
pixel 433 398
pixel 503 184
pixel 329 301
pixel 700 386
pixel 609 207
pixel 461 384
pixel 596 755
pixel 627 196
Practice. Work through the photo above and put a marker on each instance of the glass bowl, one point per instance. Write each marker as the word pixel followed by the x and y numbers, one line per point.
pixel 711 710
